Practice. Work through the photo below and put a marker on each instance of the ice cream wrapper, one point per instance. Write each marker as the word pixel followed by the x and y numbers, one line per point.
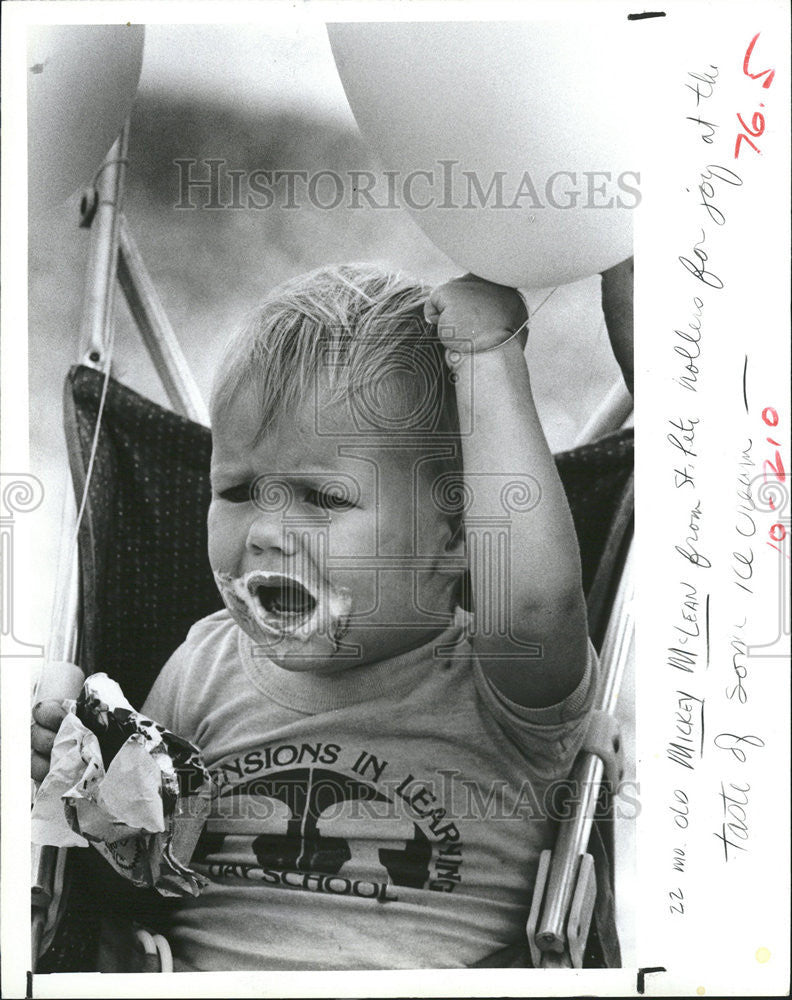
pixel 126 786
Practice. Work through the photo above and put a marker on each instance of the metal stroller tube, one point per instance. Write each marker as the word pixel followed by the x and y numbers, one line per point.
pixel 101 210
pixel 112 256
pixel 552 934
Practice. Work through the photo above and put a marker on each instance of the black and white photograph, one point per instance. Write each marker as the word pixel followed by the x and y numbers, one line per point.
pixel 350 645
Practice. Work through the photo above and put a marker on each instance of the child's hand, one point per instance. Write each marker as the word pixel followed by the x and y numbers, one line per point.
pixel 473 315
pixel 47 717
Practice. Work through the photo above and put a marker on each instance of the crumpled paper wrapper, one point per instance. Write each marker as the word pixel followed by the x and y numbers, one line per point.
pixel 144 810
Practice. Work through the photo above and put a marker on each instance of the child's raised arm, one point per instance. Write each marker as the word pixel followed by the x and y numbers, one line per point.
pixel 535 586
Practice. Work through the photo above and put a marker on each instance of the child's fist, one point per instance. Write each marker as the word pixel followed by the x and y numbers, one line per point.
pixel 473 315
pixel 47 717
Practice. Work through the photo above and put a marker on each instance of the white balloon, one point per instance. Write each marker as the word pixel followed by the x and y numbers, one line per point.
pixel 81 84
pixel 534 123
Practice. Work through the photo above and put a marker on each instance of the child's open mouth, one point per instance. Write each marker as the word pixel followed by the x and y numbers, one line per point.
pixel 272 606
pixel 284 596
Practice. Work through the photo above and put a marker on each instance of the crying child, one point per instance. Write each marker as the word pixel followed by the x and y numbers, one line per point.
pixel 402 670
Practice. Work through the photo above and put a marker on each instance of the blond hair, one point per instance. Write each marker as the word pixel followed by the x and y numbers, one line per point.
pixel 357 330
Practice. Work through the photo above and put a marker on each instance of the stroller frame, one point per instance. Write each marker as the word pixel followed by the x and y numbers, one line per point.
pixel 563 900
pixel 113 256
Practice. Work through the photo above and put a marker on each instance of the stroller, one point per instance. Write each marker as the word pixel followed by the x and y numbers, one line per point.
pixel 140 476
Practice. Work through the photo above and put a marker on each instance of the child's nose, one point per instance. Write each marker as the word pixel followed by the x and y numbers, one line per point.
pixel 269 533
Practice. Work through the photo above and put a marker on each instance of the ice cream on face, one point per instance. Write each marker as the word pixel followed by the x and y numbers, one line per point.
pixel 271 607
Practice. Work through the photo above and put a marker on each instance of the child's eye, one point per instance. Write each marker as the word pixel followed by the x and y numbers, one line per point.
pixel 328 501
pixel 236 494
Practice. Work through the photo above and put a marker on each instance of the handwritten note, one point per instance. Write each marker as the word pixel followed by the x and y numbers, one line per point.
pixel 715 627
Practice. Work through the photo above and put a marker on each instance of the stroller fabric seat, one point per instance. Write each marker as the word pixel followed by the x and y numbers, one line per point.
pixel 145 577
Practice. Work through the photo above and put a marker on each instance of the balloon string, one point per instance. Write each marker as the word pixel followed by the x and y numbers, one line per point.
pixel 106 164
pixel 95 441
pixel 549 295
pixel 59 624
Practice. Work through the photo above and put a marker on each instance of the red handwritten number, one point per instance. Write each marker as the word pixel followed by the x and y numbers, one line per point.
pixel 764 72
pixel 770 416
pixel 756 129
pixel 777 531
pixel 778 468
pixel 757 120
pixel 740 138
pixel 757 124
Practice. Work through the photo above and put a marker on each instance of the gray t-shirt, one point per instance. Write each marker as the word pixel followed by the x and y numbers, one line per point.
pixel 389 816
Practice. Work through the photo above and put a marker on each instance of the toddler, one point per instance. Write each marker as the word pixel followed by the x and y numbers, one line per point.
pixel 402 669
